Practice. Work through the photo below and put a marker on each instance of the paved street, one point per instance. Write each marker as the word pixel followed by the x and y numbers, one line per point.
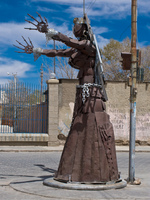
pixel 22 175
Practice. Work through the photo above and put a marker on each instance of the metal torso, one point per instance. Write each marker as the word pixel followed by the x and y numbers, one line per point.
pixel 85 63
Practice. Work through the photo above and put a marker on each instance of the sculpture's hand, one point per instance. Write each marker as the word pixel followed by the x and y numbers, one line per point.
pixel 28 48
pixel 41 26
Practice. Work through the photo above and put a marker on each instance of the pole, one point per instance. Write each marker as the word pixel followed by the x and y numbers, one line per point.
pixel 15 101
pixel 83 7
pixel 54 60
pixel 133 93
pixel 41 82
pixel 15 106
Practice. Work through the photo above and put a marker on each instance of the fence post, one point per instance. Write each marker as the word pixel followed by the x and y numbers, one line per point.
pixel 53 111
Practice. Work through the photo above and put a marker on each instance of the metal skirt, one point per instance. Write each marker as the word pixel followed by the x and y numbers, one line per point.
pixel 89 155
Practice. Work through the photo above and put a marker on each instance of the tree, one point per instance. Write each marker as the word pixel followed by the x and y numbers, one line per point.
pixel 62 68
pixel 145 62
pixel 111 56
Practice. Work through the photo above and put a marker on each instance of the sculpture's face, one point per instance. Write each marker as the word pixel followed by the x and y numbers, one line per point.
pixel 78 30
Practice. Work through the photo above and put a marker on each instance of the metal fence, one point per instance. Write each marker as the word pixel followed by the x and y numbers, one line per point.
pixel 23 108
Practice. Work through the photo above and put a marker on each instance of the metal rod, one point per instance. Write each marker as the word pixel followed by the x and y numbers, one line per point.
pixel 133 93
pixel 83 7
pixel 41 82
pixel 54 60
pixel 15 100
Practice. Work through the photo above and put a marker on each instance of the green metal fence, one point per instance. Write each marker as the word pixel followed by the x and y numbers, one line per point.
pixel 23 108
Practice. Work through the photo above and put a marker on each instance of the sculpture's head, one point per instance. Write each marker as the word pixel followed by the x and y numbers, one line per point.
pixel 80 28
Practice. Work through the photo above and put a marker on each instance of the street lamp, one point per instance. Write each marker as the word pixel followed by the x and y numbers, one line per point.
pixel 15 94
pixel 41 69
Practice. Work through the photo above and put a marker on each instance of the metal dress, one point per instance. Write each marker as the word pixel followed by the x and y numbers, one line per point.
pixel 89 154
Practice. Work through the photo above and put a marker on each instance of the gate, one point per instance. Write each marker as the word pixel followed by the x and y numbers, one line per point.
pixel 23 108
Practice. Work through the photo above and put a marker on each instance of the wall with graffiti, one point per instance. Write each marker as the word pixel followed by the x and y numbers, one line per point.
pixel 118 107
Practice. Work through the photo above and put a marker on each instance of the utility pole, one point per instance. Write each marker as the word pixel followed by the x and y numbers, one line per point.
pixel 133 92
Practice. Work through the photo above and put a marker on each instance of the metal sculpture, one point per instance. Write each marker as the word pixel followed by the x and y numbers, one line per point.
pixel 89 154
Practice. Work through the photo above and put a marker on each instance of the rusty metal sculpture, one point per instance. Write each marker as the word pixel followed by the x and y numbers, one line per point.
pixel 89 154
pixel 28 48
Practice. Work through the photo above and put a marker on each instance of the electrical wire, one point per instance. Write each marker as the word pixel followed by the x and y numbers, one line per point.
pixel 90 5
pixel 124 31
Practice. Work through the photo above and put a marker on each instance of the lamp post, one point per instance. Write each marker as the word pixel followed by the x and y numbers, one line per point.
pixel 15 95
pixel 41 69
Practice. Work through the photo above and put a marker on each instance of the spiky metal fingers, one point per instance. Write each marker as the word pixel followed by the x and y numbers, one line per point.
pixel 41 26
pixel 28 48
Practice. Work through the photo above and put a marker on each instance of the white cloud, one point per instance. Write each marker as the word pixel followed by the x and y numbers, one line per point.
pixel 105 8
pixel 114 1
pixel 142 44
pixel 11 31
pixel 100 30
pixel 102 41
pixel 4 80
pixel 13 66
pixel 148 27
pixel 87 2
pixel 143 7
pixel 45 9
pixel 63 1
pixel 95 3
pixel 103 11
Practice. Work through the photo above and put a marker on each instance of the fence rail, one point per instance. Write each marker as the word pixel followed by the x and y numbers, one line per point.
pixel 23 108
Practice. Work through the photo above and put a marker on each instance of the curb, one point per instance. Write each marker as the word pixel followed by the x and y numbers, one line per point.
pixel 138 149
pixel 81 186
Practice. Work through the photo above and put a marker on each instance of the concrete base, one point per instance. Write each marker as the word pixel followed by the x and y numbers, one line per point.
pixel 81 186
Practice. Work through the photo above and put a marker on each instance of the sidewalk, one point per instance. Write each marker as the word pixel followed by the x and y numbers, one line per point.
pixel 22 175
pixel 60 148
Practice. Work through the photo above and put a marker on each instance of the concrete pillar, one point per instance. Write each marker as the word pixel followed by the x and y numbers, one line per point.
pixel 53 111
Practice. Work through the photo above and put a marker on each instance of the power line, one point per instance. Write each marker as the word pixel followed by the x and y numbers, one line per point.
pixel 90 5
pixel 124 31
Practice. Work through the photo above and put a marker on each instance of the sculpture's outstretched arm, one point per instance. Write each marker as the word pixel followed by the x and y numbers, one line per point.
pixel 41 26
pixel 84 45
pixel 29 48
pixel 52 52
pixel 60 52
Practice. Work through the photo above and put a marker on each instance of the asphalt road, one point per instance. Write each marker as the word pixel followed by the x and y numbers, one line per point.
pixel 33 167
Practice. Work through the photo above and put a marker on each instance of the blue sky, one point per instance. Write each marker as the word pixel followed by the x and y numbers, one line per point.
pixel 109 19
